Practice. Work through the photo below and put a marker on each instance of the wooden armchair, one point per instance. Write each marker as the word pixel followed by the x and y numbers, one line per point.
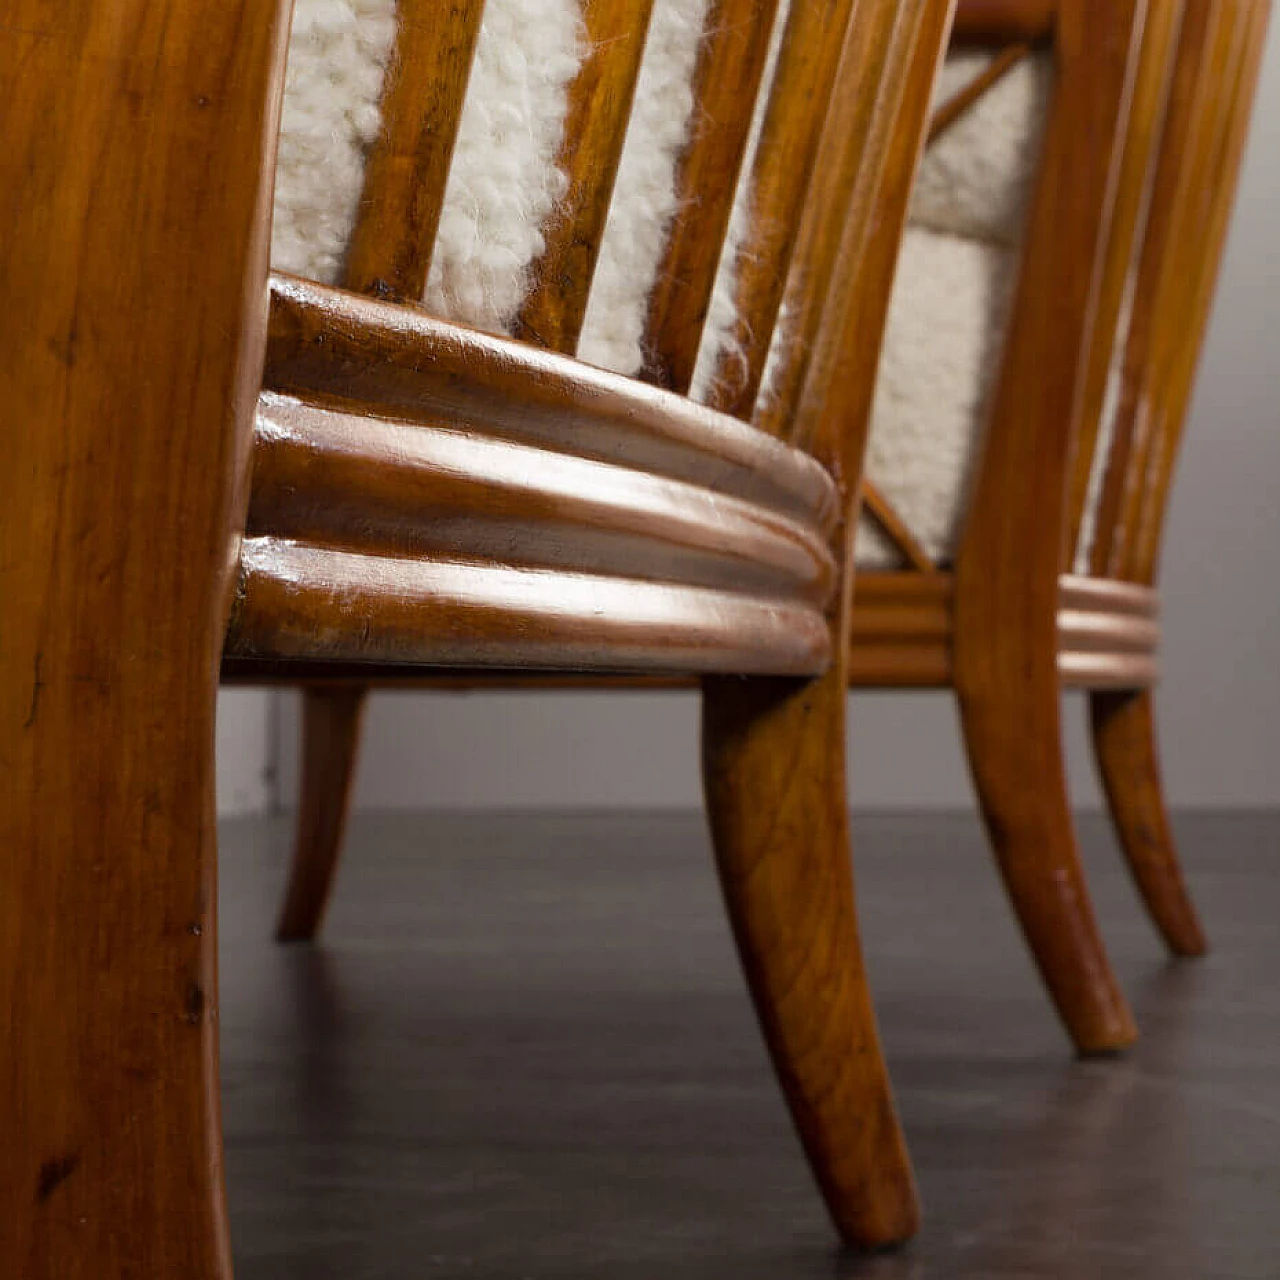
pixel 1054 286
pixel 1041 572
pixel 398 494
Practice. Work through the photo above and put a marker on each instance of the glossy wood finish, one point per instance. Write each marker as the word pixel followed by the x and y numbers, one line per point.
pixel 599 105
pixel 331 477
pixel 138 148
pixel 904 626
pixel 1006 671
pixel 773 750
pixel 401 363
pixel 1193 188
pixel 1147 131
pixel 1124 740
pixel 304 602
pixel 777 186
pixel 331 720
pixel 596 523
pixel 774 773
pixel 404 181
pixel 731 62
pixel 427 495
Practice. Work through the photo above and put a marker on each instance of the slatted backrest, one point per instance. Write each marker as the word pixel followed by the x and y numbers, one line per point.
pixel 1193 188
pixel 805 118
pixel 1161 97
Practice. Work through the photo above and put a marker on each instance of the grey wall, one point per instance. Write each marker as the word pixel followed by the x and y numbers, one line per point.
pixel 246 750
pixel 1221 697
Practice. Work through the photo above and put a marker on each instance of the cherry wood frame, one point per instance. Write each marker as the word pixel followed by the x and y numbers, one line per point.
pixel 215 468
pixel 1140 163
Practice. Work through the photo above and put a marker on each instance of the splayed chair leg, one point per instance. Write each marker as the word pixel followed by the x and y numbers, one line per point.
pixel 1124 744
pixel 1015 752
pixel 773 763
pixel 331 722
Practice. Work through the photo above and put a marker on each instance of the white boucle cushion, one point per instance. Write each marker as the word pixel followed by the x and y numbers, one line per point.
pixel 976 179
pixel 950 306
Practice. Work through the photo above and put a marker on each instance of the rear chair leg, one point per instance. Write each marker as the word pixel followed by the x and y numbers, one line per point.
pixel 331 723
pixel 774 772
pixel 1124 744
pixel 1013 735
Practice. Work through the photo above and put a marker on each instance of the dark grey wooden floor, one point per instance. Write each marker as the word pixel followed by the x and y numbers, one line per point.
pixel 523 1051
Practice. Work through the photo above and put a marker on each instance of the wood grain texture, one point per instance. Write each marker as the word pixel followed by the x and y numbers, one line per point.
pixel 1006 669
pixel 809 55
pixel 302 601
pixel 1134 195
pixel 774 773
pixel 407 168
pixel 1195 183
pixel 1122 724
pixel 773 751
pixel 1233 109
pixel 731 61
pixel 594 131
pixel 138 148
pixel 330 732
pixel 402 363
pixel 855 135
pixel 833 412
pixel 333 477
pixel 1204 43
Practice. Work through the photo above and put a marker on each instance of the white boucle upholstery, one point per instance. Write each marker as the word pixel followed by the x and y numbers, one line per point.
pixel 503 182
pixel 945 327
pixel 976 179
pixel 338 52
pixel 950 305
pixel 950 301
pixel 644 197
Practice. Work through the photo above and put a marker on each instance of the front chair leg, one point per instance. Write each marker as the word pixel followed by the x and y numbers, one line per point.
pixel 774 772
pixel 1124 744
pixel 331 723
pixel 111 1159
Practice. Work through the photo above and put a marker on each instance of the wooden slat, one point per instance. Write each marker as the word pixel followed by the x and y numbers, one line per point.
pixel 595 128
pixel 835 402
pixel 882 511
pixel 1133 197
pixel 401 362
pixel 955 106
pixel 790 132
pixel 1176 224
pixel 726 82
pixel 855 130
pixel 1205 246
pixel 317 603
pixel 406 489
pixel 407 169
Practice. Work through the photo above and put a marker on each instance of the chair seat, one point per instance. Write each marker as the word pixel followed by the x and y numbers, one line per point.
pixel 497 486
